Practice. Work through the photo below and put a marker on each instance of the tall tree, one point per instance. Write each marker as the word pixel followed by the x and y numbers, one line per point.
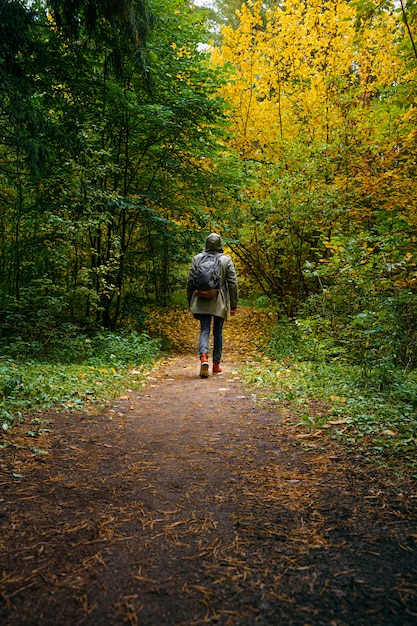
pixel 128 154
pixel 322 112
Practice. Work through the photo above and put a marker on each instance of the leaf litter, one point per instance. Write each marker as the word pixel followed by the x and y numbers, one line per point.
pixel 190 503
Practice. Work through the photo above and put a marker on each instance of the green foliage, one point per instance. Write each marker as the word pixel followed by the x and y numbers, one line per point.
pixel 368 301
pixel 123 349
pixel 75 371
pixel 69 344
pixel 310 373
pixel 309 339
pixel 110 121
pixel 279 228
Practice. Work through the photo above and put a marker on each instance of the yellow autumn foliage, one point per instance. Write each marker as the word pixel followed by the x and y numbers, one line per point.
pixel 291 74
pixel 307 72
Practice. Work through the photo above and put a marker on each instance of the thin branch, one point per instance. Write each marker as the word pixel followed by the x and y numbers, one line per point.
pixel 408 28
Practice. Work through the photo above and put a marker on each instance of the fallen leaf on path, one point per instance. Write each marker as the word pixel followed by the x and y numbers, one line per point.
pixel 389 433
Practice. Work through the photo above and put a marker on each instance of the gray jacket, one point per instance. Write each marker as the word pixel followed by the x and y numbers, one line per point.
pixel 228 295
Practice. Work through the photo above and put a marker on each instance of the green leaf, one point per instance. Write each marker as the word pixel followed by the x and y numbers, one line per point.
pixel 37 450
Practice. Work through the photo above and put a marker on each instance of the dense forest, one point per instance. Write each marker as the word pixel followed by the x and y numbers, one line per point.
pixel 130 129
pixel 110 121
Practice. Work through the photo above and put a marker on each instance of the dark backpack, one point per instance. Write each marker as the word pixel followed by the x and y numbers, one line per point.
pixel 207 277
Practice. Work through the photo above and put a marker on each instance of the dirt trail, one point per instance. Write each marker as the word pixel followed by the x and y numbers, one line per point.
pixel 190 504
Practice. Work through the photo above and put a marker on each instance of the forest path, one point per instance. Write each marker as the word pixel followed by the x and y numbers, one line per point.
pixel 189 503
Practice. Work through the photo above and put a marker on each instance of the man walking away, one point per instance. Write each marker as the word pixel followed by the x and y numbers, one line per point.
pixel 210 300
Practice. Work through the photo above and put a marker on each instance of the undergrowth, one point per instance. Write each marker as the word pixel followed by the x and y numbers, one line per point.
pixel 372 410
pixel 75 374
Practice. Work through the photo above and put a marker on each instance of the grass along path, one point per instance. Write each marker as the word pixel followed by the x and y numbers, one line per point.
pixel 189 502
pixel 322 397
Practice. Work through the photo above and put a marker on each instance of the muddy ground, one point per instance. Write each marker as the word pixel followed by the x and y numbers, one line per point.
pixel 189 503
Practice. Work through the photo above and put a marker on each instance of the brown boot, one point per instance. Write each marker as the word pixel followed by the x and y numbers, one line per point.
pixel 204 366
pixel 216 368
